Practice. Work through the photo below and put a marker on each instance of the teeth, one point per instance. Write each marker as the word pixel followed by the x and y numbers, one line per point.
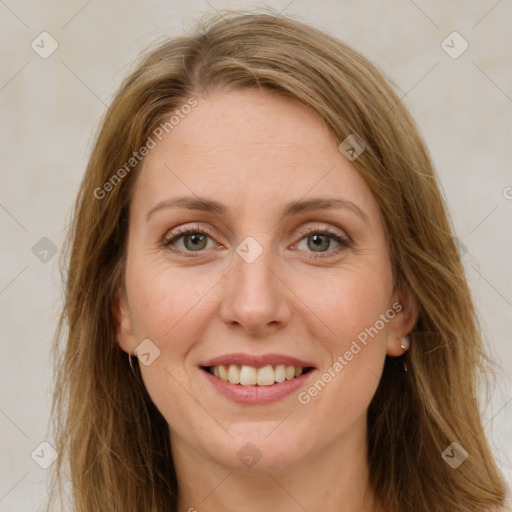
pixel 234 374
pixel 280 373
pixel 223 372
pixel 247 375
pixel 251 376
pixel 290 372
pixel 266 376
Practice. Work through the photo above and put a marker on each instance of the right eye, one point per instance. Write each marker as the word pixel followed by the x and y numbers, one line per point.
pixel 195 239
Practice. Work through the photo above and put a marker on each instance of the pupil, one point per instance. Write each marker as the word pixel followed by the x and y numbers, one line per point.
pixel 196 237
pixel 317 241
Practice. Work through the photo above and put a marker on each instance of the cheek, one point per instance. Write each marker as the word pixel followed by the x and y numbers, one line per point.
pixel 347 302
pixel 166 303
pixel 168 308
pixel 353 311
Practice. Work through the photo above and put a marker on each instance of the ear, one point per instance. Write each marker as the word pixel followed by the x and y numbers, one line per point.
pixel 403 322
pixel 123 321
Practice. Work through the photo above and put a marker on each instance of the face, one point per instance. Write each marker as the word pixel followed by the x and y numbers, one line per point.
pixel 273 262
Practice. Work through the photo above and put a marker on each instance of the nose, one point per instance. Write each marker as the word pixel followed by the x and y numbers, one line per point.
pixel 256 297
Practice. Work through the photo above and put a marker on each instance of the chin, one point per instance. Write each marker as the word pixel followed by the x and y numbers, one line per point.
pixel 261 448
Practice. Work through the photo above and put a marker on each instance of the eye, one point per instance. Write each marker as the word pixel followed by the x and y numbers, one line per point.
pixel 194 240
pixel 320 241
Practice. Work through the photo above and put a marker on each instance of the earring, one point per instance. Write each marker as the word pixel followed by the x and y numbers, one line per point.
pixel 130 361
pixel 406 342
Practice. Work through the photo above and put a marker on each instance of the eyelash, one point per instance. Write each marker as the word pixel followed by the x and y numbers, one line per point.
pixel 180 232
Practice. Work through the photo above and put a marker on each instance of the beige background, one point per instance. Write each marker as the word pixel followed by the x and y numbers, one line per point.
pixel 51 108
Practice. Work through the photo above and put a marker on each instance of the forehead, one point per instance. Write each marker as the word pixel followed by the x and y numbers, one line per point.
pixel 252 148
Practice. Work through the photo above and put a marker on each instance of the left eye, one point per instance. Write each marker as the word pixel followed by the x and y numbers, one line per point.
pixel 320 241
pixel 196 239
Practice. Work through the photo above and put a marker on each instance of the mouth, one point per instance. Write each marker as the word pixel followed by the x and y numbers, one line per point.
pixel 245 375
pixel 251 379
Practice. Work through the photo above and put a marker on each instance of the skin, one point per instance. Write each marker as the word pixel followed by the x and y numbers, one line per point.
pixel 255 152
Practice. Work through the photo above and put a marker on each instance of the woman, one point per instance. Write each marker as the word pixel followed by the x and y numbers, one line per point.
pixel 266 308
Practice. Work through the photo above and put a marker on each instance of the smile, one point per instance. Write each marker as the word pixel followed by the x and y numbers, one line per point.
pixel 257 379
pixel 253 376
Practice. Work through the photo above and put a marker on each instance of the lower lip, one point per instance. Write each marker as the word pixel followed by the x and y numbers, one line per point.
pixel 257 394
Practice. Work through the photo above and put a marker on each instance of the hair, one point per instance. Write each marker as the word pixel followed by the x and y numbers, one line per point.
pixel 109 435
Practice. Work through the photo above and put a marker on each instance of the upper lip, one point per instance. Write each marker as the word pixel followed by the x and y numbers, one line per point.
pixel 257 360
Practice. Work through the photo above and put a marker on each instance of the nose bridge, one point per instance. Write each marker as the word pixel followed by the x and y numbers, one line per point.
pixel 255 297
pixel 253 277
pixel 253 263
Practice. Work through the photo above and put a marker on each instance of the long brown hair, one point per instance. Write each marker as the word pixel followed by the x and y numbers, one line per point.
pixel 109 435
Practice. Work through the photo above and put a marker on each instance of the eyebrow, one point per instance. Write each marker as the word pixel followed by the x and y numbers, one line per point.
pixel 293 208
